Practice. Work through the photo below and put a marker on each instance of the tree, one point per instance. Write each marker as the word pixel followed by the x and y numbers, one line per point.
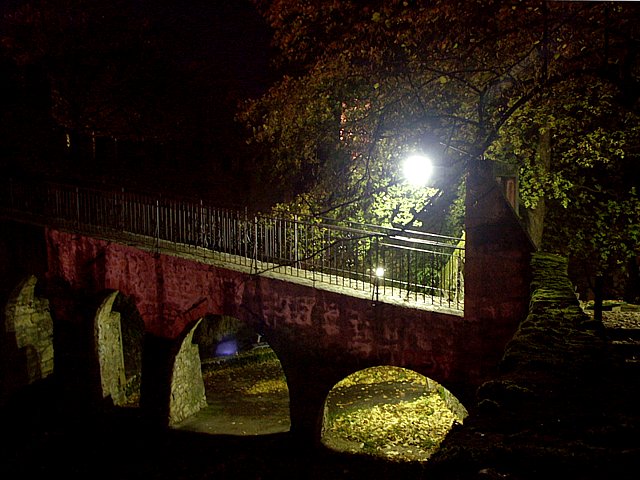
pixel 591 182
pixel 95 58
pixel 470 80
pixel 368 84
pixel 153 73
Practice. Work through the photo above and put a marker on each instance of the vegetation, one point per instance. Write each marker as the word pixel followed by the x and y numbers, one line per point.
pixel 550 88
pixel 408 431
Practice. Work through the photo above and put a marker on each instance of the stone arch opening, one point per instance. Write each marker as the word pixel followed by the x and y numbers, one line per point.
pixel 245 387
pixel 27 338
pixel 389 412
pixel 118 338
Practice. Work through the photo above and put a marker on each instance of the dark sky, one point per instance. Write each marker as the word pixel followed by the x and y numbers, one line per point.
pixel 229 35
pixel 203 57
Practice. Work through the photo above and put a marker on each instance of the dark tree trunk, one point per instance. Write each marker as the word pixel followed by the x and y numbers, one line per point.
pixel 535 216
pixel 598 297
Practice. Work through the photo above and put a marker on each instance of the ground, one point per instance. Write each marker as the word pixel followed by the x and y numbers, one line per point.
pixel 246 395
pixel 43 437
pixel 385 411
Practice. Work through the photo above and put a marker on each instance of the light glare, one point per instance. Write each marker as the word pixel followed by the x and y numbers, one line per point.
pixel 417 170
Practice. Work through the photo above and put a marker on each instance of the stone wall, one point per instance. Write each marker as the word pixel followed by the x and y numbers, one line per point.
pixel 301 321
pixel 27 353
pixel 187 386
pixel 545 411
pixel 109 351
pixel 497 268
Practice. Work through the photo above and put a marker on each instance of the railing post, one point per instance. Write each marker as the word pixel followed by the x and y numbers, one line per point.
pixel 157 229
pixel 254 260
pixel 78 207
pixel 200 227
pixel 295 242
pixel 409 275
pixel 245 242
pixel 375 268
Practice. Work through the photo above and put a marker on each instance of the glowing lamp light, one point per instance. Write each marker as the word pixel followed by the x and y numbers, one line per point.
pixel 417 170
pixel 380 272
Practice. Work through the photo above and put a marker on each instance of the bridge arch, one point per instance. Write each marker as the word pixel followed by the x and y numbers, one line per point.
pixel 27 337
pixel 118 332
pixel 186 394
pixel 320 333
pixel 244 387
pixel 390 412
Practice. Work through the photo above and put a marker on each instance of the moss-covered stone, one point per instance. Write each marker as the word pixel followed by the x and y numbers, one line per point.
pixel 530 419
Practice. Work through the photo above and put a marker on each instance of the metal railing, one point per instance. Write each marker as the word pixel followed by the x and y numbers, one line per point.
pixel 417 266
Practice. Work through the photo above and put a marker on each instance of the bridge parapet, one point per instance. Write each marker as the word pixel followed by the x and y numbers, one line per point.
pixel 380 261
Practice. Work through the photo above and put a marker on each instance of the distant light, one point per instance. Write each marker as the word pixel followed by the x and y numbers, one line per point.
pixel 417 170
pixel 226 348
pixel 380 272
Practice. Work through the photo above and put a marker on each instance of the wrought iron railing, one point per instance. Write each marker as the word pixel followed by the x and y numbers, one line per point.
pixel 417 266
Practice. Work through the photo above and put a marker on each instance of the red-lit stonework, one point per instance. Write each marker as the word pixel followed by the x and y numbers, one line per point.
pixel 172 292
pixel 320 335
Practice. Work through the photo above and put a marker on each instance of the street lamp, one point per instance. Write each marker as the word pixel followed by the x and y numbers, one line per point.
pixel 417 170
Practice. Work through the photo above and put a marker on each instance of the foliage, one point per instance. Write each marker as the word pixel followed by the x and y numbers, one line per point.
pixel 373 83
pixel 251 372
pixel 364 84
pixel 591 182
pixel 401 431
pixel 262 387
pixel 383 374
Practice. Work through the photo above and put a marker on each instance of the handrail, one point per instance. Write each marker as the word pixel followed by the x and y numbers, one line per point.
pixel 418 266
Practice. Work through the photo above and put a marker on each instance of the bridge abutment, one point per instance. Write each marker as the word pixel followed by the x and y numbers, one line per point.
pixel 497 268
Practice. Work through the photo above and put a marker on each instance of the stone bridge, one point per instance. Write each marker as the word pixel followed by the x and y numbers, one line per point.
pixel 112 316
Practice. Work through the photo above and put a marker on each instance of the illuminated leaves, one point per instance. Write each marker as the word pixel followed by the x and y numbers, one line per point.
pixel 262 387
pixel 254 372
pixel 589 182
pixel 381 375
pixel 404 431
pixel 390 412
